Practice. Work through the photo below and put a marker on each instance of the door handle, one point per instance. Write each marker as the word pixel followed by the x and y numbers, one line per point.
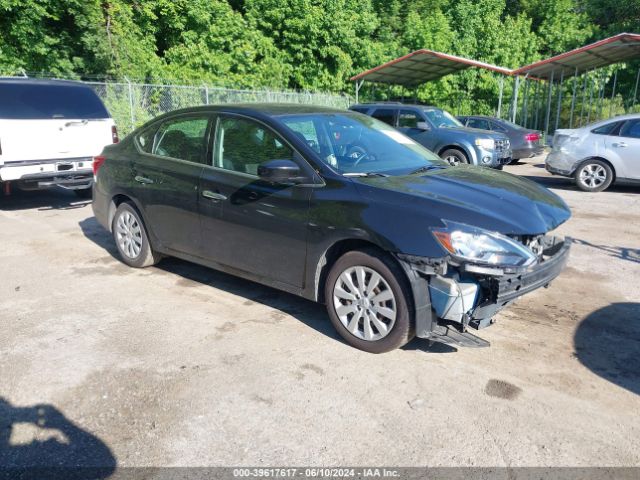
pixel 143 180
pixel 622 144
pixel 213 195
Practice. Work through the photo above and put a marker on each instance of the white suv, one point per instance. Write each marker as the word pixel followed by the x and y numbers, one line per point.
pixel 50 130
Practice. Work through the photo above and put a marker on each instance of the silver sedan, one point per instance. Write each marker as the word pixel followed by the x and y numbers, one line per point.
pixel 598 154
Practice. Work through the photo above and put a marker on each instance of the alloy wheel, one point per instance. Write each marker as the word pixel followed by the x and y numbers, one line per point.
pixel 452 160
pixel 129 235
pixel 593 175
pixel 364 303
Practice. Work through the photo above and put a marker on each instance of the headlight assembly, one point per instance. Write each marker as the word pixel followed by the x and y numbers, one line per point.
pixel 482 247
pixel 486 143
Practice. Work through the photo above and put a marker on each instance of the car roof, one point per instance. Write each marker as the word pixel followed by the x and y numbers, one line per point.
pixel 40 81
pixel 268 109
pixel 392 105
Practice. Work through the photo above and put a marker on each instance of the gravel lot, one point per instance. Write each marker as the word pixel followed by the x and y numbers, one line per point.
pixel 181 365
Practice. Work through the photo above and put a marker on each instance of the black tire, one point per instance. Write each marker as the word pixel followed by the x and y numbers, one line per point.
pixel 594 176
pixel 454 156
pixel 514 161
pixel 402 330
pixel 145 256
pixel 83 193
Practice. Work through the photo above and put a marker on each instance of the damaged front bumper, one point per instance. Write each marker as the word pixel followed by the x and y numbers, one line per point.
pixel 461 295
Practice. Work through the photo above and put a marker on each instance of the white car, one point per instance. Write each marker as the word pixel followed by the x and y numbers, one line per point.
pixel 598 154
pixel 50 130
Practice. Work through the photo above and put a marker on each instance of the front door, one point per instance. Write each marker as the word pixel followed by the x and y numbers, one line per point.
pixel 408 124
pixel 626 146
pixel 263 229
pixel 166 179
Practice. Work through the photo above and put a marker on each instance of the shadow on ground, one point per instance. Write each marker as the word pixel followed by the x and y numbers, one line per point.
pixel 40 442
pixel 623 253
pixel 52 199
pixel 607 342
pixel 565 183
pixel 310 313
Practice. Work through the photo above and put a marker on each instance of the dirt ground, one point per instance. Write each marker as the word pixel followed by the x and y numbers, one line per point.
pixel 184 366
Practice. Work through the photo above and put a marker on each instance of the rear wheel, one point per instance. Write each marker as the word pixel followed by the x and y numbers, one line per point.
pixel 594 176
pixel 368 301
pixel 454 157
pixel 131 237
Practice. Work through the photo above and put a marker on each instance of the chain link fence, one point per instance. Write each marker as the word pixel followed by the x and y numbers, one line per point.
pixel 132 104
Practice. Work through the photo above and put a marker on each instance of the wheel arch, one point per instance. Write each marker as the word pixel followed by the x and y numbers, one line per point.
pixel 460 148
pixel 333 253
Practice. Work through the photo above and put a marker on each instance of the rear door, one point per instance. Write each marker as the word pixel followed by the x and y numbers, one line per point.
pixel 386 115
pixel 166 177
pixel 51 120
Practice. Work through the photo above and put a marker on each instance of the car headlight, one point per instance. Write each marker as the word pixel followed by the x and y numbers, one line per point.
pixel 480 246
pixel 486 143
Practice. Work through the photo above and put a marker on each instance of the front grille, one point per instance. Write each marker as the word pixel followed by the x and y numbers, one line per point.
pixel 502 145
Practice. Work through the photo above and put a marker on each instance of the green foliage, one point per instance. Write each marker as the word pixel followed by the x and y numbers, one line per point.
pixel 300 44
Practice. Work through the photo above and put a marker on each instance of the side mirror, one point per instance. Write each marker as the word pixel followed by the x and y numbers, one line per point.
pixel 280 171
pixel 423 126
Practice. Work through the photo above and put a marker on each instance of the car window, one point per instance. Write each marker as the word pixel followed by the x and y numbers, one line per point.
pixel 606 129
pixel 385 115
pixel 497 127
pixel 631 129
pixel 242 145
pixel 306 131
pixel 478 123
pixel 408 119
pixel 441 118
pixel 145 139
pixel 31 101
pixel 183 138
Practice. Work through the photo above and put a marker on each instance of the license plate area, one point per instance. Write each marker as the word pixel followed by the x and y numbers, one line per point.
pixel 64 166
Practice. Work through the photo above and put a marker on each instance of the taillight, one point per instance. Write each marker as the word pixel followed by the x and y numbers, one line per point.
pixel 97 163
pixel 532 137
pixel 114 134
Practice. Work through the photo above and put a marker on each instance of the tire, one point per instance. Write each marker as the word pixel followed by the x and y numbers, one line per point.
pixel 131 237
pixel 454 156
pixel 84 192
pixel 514 161
pixel 392 291
pixel 594 176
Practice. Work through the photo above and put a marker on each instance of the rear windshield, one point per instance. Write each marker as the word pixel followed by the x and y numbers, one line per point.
pixel 23 101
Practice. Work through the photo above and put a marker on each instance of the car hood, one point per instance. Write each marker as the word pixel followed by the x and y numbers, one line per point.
pixel 476 132
pixel 477 196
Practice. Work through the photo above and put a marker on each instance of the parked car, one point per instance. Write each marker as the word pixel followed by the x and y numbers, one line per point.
pixel 525 143
pixel 50 130
pixel 442 133
pixel 599 154
pixel 334 206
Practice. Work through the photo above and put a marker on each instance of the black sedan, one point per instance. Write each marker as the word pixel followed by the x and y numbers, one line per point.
pixel 525 143
pixel 334 206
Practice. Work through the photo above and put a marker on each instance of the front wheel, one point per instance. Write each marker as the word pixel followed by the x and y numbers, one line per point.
pixel 368 301
pixel 454 157
pixel 131 237
pixel 594 176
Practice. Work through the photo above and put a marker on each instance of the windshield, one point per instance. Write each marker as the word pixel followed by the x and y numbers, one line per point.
pixel 441 118
pixel 352 143
pixel 34 101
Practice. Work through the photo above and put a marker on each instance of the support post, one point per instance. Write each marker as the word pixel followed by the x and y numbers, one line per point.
pixel 600 95
pixel 536 124
pixel 500 95
pixel 206 93
pixel 514 102
pixel 590 98
pixel 358 85
pixel 635 91
pixel 548 114
pixel 559 106
pixel 131 111
pixel 613 92
pixel 585 80
pixel 573 97
pixel 526 99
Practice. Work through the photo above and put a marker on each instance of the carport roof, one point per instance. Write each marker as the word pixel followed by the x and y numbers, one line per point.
pixel 422 66
pixel 616 49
